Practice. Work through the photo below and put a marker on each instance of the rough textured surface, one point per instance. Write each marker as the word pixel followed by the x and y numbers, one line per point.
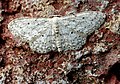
pixel 97 62
pixel 114 25
pixel 57 33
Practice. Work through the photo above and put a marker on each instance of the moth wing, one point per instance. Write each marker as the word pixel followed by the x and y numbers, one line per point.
pixel 75 29
pixel 36 31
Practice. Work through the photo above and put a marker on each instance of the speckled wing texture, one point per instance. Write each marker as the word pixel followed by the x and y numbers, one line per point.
pixel 57 33
pixel 36 31
pixel 75 29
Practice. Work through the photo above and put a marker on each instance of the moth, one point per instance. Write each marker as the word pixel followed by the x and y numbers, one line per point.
pixel 58 33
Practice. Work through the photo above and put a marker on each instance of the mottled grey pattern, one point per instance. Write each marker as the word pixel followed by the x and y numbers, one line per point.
pixel 57 33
